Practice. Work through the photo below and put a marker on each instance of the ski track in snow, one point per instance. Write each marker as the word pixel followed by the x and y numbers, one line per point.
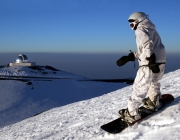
pixel 82 120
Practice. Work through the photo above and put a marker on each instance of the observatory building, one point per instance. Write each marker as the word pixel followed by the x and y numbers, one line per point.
pixel 22 60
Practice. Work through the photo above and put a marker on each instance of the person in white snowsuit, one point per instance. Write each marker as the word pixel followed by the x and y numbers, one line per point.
pixel 151 56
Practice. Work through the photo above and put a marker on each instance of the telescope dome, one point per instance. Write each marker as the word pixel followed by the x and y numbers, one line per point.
pixel 22 59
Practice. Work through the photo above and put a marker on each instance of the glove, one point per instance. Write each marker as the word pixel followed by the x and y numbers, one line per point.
pixel 123 60
pixel 152 63
pixel 131 57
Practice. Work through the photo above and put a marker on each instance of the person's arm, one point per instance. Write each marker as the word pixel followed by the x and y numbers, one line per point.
pixel 145 42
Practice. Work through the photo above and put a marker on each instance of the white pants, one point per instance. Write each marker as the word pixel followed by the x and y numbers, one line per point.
pixel 145 84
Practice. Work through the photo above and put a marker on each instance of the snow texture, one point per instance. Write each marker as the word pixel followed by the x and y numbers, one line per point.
pixel 73 114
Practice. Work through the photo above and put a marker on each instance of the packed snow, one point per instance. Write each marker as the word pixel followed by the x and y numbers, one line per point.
pixel 69 109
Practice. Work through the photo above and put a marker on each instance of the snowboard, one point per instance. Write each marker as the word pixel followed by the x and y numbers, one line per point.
pixel 117 125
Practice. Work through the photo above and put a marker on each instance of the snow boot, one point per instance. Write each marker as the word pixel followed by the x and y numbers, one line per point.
pixel 152 105
pixel 125 116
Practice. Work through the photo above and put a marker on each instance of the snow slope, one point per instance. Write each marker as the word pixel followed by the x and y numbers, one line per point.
pixel 26 92
pixel 82 120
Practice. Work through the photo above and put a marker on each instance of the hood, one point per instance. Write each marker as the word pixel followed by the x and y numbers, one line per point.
pixel 146 24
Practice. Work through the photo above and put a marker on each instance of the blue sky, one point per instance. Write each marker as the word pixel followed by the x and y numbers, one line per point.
pixel 83 26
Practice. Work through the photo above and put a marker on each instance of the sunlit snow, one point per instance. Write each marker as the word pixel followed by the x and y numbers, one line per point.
pixel 74 110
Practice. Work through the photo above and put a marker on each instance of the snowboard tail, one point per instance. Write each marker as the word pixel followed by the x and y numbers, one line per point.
pixel 117 125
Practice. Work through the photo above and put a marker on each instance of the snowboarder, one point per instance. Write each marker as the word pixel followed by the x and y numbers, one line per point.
pixel 152 58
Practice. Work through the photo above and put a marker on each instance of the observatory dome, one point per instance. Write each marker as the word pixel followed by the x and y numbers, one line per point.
pixel 22 59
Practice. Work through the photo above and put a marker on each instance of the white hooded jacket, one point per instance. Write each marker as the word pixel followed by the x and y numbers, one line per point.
pixel 148 42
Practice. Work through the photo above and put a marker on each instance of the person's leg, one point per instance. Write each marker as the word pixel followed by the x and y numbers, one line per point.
pixel 140 89
pixel 146 83
pixel 154 93
pixel 154 89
